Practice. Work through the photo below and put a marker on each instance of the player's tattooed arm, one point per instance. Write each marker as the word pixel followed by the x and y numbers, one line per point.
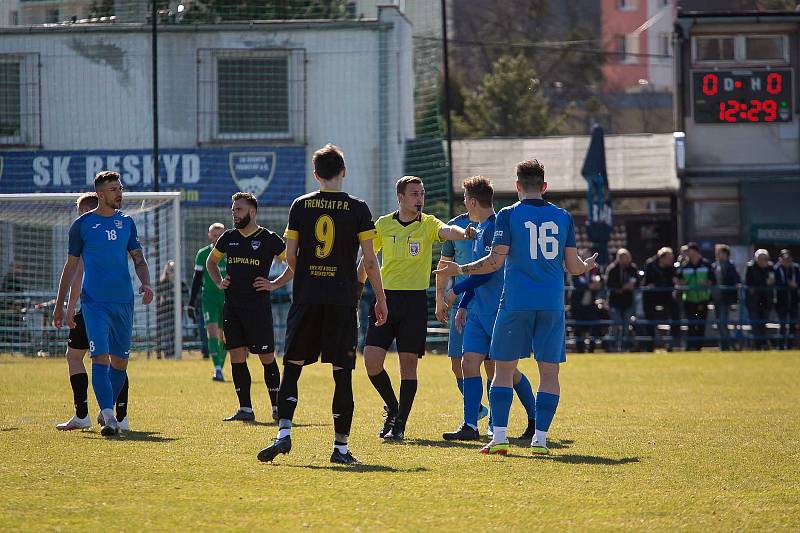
pixel 143 273
pixel 486 265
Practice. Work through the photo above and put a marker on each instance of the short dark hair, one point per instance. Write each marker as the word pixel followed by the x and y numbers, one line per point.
pixel 328 161
pixel 248 197
pixel 530 174
pixel 403 182
pixel 693 246
pixel 481 189
pixel 88 199
pixel 104 177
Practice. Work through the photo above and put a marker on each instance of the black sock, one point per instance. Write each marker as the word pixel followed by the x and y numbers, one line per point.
pixel 80 384
pixel 287 394
pixel 408 389
pixel 272 378
pixel 342 405
pixel 122 401
pixel 383 384
pixel 241 380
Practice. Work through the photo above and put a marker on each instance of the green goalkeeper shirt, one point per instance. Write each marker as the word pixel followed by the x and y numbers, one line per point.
pixel 211 293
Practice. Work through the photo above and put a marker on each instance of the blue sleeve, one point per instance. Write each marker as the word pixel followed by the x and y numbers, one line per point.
pixel 502 233
pixel 448 249
pixel 571 234
pixel 471 282
pixel 466 299
pixel 133 240
pixel 75 239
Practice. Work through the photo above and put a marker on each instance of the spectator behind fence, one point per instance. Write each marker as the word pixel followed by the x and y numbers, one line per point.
pixel 696 277
pixel 787 277
pixel 759 278
pixel 658 301
pixel 583 307
pixel 622 278
pixel 726 294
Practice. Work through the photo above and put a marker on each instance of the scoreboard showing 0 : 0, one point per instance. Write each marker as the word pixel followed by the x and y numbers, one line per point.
pixel 742 96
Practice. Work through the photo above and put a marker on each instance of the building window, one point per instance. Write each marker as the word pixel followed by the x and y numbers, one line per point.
pixel 665 44
pixel 628 48
pixel 19 100
pixel 765 48
pixel 715 49
pixel 251 95
pixel 717 217
pixel 627 5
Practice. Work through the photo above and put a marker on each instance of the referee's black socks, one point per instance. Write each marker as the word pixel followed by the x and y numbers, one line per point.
pixel 272 378
pixel 383 384
pixel 287 394
pixel 408 389
pixel 342 405
pixel 122 401
pixel 242 380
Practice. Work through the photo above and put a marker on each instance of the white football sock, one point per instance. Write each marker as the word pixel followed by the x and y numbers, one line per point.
pixel 500 435
pixel 539 438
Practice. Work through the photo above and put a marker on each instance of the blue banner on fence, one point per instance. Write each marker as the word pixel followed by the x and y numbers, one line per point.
pixel 205 176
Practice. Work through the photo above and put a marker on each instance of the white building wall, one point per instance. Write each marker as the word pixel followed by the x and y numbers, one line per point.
pixel 95 88
pixel 661 16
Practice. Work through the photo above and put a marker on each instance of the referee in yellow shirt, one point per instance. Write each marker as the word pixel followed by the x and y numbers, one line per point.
pixel 406 239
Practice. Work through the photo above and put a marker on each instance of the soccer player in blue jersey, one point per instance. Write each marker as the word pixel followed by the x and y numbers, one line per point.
pixel 460 252
pixel 534 240
pixel 104 238
pixel 481 296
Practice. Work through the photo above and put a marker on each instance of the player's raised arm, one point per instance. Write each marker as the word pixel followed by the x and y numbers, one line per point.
pixel 454 233
pixel 574 264
pixel 486 265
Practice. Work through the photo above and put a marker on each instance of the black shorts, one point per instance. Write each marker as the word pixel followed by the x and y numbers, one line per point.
pixel 407 322
pixel 249 326
pixel 78 340
pixel 320 329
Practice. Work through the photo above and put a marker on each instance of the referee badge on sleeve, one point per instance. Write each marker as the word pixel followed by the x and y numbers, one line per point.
pixel 413 248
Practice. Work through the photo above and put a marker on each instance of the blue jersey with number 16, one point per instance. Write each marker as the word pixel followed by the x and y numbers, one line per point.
pixel 537 233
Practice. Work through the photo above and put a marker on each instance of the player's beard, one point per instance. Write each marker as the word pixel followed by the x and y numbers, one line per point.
pixel 243 222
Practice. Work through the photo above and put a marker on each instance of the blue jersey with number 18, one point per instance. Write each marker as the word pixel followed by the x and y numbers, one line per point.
pixel 537 233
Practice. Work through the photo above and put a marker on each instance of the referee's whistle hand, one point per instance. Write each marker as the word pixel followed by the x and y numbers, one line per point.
pixel 381 313
pixel 147 294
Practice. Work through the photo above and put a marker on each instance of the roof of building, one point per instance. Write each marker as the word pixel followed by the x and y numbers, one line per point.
pixel 640 162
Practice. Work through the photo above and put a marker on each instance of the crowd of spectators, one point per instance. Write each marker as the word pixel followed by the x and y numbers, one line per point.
pixel 686 302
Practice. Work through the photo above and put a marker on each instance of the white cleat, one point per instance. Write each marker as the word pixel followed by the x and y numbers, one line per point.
pixel 75 423
pixel 123 424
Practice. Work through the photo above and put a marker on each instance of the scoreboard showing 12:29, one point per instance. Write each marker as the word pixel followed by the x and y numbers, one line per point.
pixel 748 96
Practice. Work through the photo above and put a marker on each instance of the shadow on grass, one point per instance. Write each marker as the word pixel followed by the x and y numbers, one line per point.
pixel 360 468
pixel 275 424
pixel 9 429
pixel 474 445
pixel 558 444
pixel 134 436
pixel 584 459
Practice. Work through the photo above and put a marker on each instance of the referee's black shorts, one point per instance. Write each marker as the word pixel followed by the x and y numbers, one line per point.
pixel 407 322
pixel 249 326
pixel 314 330
pixel 78 340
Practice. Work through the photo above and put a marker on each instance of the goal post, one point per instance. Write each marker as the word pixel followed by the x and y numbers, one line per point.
pixel 33 248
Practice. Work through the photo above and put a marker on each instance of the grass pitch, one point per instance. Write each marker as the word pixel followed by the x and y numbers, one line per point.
pixel 646 442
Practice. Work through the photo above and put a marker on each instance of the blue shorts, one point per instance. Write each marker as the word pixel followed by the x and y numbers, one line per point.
pixel 109 327
pixel 455 339
pixel 517 333
pixel 478 332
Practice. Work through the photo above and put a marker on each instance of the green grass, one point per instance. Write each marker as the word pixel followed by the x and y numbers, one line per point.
pixel 644 442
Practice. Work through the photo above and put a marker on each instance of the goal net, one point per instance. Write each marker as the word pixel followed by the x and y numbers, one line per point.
pixel 33 248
